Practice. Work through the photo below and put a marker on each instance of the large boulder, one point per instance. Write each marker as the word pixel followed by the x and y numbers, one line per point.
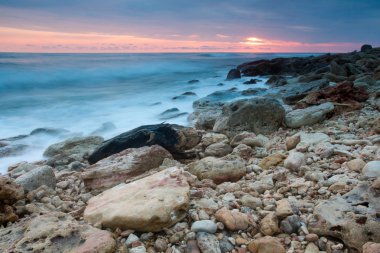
pixel 55 232
pixel 149 204
pixel 353 218
pixel 366 48
pixel 217 169
pixel 308 116
pixel 258 115
pixel 174 138
pixel 127 164
pixel 37 177
pixel 233 74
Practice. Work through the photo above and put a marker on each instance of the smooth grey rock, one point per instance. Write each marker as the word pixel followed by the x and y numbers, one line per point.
pixel 308 116
pixel 37 177
pixel 371 169
pixel 204 226
pixel 208 243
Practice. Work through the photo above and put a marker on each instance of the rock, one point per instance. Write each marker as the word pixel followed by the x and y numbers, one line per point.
pixel 233 220
pixel 294 161
pixel 208 243
pixel 37 177
pixel 366 48
pixel 127 164
pixel 276 80
pixel 54 232
pixel 292 141
pixel 171 113
pixel 311 237
pixel 251 81
pixel 356 165
pixel 311 139
pixel 174 138
pixel 240 137
pixel 104 128
pixel 12 149
pixel 138 249
pixel 351 218
pixel 218 149
pixel 211 138
pixel 204 226
pixel 311 248
pixel 283 209
pixel 251 202
pixel 149 204
pixel 308 116
pixel 271 161
pixel 337 69
pixel 226 245
pixel 258 115
pixel 131 239
pixel 193 81
pixel 371 247
pixel 10 191
pixel 233 74
pixel 266 244
pixel 79 147
pixel 215 100
pixel 218 170
pixel 295 92
pixel 269 224
pixel 371 169
pixel 50 131
pixel 291 224
pixel 161 245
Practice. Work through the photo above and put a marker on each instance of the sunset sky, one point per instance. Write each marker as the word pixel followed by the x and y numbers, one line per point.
pixel 188 26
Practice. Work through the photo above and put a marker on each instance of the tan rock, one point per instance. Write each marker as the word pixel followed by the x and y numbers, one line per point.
pixel 269 224
pixel 233 220
pixel 283 208
pixel 292 141
pixel 211 138
pixel 127 164
pixel 356 165
pixel 10 192
pixel 311 248
pixel 149 204
pixel 339 187
pixel 218 149
pixel 266 244
pixel 272 161
pixel 371 247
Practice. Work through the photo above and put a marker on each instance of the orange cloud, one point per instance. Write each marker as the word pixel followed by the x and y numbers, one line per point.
pixel 23 40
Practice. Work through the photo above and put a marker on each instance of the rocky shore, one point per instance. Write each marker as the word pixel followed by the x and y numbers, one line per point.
pixel 296 169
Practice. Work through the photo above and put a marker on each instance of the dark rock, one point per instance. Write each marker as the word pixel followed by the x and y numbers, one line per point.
pixel 276 81
pixel 225 245
pixel 297 92
pixel 233 74
pixel 156 103
pixel 215 99
pixel 176 139
pixel 171 113
pixel 220 84
pixel 252 81
pixel 366 48
pixel 15 138
pixel 49 131
pixel 291 224
pixel 188 93
pixel 337 69
pixel 12 150
pixel 193 81
pixel 252 91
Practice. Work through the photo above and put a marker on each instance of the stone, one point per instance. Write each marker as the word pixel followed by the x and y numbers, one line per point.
pixel 125 165
pixel 192 247
pixel 171 113
pixel 283 208
pixel 161 245
pixel 204 226
pixel 218 170
pixel 233 74
pixel 291 224
pixel 337 69
pixel 272 161
pixel 266 244
pixel 211 138
pixel 240 137
pixel 258 115
pixel 292 141
pixel 226 245
pixel 312 139
pixel 233 220
pixel 55 232
pixel 371 247
pixel 131 239
pixel 37 177
pixel 208 243
pixel 308 116
pixel 106 127
pixel 251 202
pixel 311 248
pixel 350 218
pixel 294 161
pixel 218 149
pixel 269 224
pixel 366 48
pixel 138 249
pixel 149 204
pixel 371 169
pixel 10 191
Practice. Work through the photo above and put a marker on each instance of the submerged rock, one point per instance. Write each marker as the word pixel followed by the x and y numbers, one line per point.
pixel 149 204
pixel 171 113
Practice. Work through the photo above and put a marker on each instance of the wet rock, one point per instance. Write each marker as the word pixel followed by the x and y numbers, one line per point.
pixel 233 74
pixel 218 149
pixel 149 204
pixel 218 169
pixel 12 149
pixel 371 169
pixel 272 161
pixel 204 226
pixel 294 161
pixel 295 92
pixel 269 224
pixel 37 177
pixel 54 232
pixel 208 243
pixel 233 220
pixel 308 116
pixel 127 164
pixel 251 81
pixel 276 80
pixel 266 244
pixel 258 115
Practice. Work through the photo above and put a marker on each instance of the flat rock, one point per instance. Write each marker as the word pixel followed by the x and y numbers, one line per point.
pixel 266 244
pixel 218 149
pixel 283 208
pixel 149 204
pixel 371 169
pixel 272 161
pixel 127 164
pixel 204 226
pixel 308 116
pixel 37 177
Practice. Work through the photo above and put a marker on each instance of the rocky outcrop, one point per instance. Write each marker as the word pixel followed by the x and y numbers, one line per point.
pixel 258 115
pixel 233 74
pixel 308 116
pixel 127 164
pixel 174 138
pixel 10 192
pixel 55 232
pixel 149 204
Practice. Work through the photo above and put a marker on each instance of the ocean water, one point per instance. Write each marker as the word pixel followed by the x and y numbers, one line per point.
pixel 80 92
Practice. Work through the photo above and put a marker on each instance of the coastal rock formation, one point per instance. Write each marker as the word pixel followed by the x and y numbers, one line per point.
pixel 258 115
pixel 174 138
pixel 149 204
pixel 37 177
pixel 10 192
pixel 309 115
pixel 55 232
pixel 233 74
pixel 127 164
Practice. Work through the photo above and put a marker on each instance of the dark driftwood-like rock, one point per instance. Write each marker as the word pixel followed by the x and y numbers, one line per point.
pixel 176 139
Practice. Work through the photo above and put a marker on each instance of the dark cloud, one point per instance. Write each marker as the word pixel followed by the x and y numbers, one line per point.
pixel 298 20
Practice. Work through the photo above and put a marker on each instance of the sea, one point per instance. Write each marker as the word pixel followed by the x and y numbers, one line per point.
pixel 103 94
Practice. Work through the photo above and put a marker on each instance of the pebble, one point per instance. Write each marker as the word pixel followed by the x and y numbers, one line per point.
pixel 208 243
pixel 204 226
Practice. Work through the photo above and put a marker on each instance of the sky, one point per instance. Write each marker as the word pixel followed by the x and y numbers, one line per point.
pixel 188 25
